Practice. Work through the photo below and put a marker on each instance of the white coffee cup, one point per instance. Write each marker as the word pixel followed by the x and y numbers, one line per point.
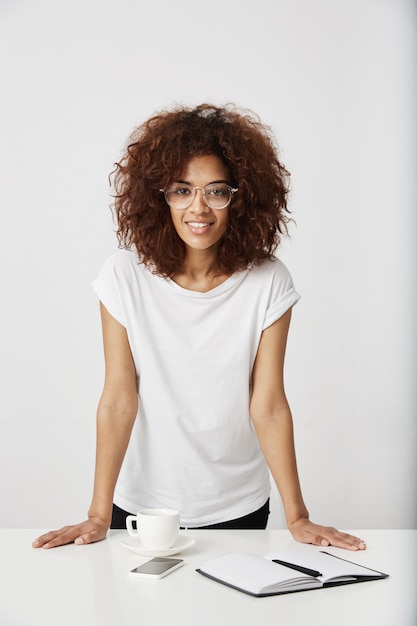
pixel 156 529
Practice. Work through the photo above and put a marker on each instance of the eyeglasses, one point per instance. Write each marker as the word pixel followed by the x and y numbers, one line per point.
pixel 216 195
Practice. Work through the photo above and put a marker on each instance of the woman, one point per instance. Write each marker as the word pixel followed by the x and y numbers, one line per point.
pixel 195 312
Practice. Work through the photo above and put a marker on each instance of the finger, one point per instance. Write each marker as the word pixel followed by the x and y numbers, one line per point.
pixel 60 538
pixel 325 536
pixel 349 542
pixel 354 542
pixel 314 534
pixel 91 537
pixel 317 540
pixel 342 540
pixel 39 542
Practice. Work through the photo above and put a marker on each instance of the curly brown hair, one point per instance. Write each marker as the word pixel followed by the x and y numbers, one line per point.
pixel 156 154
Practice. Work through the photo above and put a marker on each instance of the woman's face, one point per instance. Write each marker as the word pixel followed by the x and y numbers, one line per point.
pixel 199 226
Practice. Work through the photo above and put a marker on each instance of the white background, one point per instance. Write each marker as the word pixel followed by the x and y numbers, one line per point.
pixel 335 81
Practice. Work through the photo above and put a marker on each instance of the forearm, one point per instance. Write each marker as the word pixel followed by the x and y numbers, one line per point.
pixel 114 427
pixel 276 438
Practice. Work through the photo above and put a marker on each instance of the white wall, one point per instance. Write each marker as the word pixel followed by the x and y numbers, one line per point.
pixel 335 80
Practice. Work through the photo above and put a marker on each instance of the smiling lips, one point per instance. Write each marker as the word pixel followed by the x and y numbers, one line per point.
pixel 199 227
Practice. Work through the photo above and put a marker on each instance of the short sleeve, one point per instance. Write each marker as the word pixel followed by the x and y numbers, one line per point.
pixel 107 289
pixel 282 294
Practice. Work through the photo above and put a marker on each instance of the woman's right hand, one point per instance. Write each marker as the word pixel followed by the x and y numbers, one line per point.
pixel 93 529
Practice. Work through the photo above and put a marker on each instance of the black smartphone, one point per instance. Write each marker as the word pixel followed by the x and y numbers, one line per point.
pixel 157 567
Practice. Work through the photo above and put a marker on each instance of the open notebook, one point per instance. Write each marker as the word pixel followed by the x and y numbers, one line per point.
pixel 285 572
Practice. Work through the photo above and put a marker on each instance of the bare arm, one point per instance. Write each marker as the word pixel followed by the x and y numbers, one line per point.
pixel 116 414
pixel 272 420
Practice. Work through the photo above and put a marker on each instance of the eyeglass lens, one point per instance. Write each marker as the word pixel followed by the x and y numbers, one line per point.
pixel 216 195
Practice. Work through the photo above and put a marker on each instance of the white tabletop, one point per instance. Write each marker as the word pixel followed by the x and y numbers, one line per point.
pixel 91 585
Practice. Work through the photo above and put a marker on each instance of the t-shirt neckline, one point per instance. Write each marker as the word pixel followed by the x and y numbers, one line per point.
pixel 229 283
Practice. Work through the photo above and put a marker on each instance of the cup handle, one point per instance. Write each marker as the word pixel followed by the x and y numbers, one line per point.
pixel 129 525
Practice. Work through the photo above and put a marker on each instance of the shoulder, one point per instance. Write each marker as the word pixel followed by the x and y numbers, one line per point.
pixel 121 270
pixel 274 282
pixel 121 265
pixel 118 278
pixel 123 258
pixel 272 269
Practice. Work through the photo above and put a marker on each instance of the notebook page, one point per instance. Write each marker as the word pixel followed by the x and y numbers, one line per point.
pixel 251 571
pixel 329 566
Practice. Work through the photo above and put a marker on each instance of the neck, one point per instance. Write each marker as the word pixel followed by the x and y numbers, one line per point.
pixel 200 271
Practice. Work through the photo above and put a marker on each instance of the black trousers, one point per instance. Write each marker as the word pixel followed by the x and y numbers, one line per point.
pixel 254 521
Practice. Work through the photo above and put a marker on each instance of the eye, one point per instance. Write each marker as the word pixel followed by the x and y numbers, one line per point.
pixel 181 191
pixel 218 191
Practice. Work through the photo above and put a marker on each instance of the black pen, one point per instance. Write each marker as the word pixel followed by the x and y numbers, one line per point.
pixel 299 568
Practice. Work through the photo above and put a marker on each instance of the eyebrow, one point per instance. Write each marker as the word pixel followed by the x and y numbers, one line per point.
pixel 213 182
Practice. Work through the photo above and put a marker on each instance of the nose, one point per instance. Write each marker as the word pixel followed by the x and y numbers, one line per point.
pixel 198 204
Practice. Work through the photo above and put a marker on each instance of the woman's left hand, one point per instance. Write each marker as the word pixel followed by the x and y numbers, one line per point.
pixel 307 532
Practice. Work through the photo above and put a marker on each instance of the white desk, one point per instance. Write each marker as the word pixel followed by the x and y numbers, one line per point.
pixel 91 585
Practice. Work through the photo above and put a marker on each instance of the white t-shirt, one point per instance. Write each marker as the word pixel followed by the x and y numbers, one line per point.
pixel 193 446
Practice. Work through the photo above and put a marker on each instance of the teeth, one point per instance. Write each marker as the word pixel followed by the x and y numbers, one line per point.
pixel 198 224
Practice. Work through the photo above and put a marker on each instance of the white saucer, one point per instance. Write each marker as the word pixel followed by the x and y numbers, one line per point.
pixel 134 544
